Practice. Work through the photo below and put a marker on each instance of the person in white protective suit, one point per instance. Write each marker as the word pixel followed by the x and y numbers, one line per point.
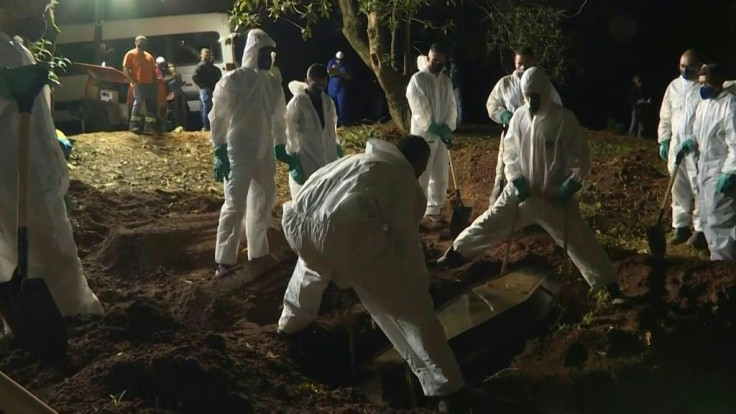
pixel 546 158
pixel 356 222
pixel 52 251
pixel 433 117
pixel 505 98
pixel 311 129
pixel 247 116
pixel 714 142
pixel 676 118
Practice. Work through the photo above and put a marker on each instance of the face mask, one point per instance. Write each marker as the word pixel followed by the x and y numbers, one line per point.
pixel 436 68
pixel 534 104
pixel 688 73
pixel 32 27
pixel 708 92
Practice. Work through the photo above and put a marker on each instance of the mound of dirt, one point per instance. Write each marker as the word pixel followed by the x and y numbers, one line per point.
pixel 176 339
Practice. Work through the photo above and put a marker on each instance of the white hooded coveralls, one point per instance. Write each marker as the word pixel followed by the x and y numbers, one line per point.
pixel 506 96
pixel 356 222
pixel 313 145
pixel 248 114
pixel 432 99
pixel 676 117
pixel 715 131
pixel 545 149
pixel 52 251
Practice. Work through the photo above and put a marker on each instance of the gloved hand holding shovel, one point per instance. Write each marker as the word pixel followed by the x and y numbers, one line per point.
pixel 26 304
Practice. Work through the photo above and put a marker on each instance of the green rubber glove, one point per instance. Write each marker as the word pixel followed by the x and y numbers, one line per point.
pixel 724 183
pixel 445 134
pixel 279 151
pixel 435 128
pixel 664 149
pixel 686 147
pixel 222 163
pixel 340 154
pixel 568 189
pixel 506 118
pixel 521 188
pixel 296 173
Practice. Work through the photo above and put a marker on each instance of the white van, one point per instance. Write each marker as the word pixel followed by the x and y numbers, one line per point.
pixel 177 38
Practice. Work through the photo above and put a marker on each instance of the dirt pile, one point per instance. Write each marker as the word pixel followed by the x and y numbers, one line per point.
pixel 176 339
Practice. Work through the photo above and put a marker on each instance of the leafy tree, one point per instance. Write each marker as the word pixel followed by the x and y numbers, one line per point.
pixel 380 31
pixel 43 50
pixel 514 24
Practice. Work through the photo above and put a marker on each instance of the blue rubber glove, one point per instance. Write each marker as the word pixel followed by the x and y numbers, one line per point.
pixel 222 163
pixel 66 147
pixel 664 149
pixel 521 188
pixel 568 189
pixel 687 146
pixel 340 154
pixel 724 183
pixel 506 118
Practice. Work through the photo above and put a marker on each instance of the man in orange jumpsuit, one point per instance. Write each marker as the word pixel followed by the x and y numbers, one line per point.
pixel 141 69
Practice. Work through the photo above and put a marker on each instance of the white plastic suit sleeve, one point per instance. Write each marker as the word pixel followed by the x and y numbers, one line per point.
pixel 278 120
pixel 293 128
pixel 223 103
pixel 577 151
pixel 407 209
pixel 511 160
pixel 664 132
pixel 451 116
pixel 421 111
pixel 729 167
pixel 495 104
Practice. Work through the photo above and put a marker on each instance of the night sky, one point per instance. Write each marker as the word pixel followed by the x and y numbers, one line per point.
pixel 611 40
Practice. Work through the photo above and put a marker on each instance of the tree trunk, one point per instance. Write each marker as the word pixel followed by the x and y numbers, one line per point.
pixel 376 54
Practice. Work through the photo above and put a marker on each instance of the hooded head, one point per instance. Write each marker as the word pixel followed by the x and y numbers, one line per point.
pixel 258 48
pixel 537 89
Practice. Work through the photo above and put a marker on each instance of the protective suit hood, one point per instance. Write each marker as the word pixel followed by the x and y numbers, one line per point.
pixel 257 40
pixel 536 81
pixel 386 152
pixel 297 87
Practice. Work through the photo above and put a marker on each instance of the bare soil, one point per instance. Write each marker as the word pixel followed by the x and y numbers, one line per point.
pixel 176 339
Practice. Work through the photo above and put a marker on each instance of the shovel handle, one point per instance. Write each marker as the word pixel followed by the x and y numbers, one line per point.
pixel 667 193
pixel 24 160
pixel 452 169
pixel 506 255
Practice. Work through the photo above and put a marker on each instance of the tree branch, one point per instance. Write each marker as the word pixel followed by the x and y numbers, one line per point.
pixel 351 29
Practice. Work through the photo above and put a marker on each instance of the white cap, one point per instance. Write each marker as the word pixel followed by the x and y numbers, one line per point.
pixel 160 59
pixel 339 55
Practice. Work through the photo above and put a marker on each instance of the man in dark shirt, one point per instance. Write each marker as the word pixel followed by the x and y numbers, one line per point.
pixel 206 77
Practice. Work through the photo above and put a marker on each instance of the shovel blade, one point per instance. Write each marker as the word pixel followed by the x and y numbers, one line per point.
pixel 459 221
pixel 30 311
pixel 657 241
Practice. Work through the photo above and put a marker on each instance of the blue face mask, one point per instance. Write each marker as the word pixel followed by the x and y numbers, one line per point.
pixel 689 73
pixel 708 92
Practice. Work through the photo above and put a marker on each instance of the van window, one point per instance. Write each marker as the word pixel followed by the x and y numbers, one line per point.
pixel 181 48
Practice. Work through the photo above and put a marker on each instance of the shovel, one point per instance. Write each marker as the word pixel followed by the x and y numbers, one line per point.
pixel 26 304
pixel 460 213
pixel 655 234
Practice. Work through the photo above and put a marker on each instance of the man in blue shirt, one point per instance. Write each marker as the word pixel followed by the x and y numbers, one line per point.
pixel 340 74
